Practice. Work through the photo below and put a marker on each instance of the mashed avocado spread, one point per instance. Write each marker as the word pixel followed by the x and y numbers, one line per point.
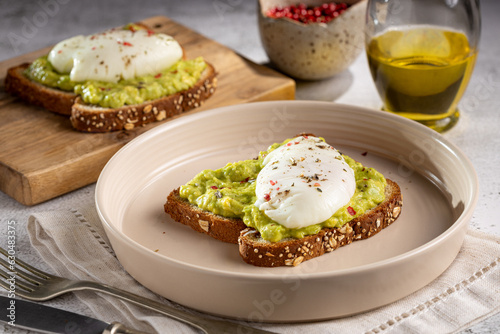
pixel 180 76
pixel 230 192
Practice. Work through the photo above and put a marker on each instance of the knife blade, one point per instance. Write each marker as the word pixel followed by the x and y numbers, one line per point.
pixel 45 319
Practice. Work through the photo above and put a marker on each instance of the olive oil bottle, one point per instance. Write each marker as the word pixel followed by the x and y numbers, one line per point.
pixel 421 72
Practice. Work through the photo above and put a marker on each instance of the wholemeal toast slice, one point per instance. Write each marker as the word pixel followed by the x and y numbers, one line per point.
pixel 91 118
pixel 278 246
pixel 259 252
pixel 94 118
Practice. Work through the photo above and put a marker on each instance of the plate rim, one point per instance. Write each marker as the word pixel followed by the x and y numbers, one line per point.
pixel 461 220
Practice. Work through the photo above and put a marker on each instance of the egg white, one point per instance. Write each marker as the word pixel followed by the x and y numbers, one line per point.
pixel 115 55
pixel 304 182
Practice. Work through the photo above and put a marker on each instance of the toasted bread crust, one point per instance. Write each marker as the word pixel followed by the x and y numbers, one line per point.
pixel 91 118
pixel 55 100
pixel 218 227
pixel 256 251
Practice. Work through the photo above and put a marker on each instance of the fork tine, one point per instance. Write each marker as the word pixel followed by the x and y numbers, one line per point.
pixel 28 267
pixel 6 285
pixel 30 278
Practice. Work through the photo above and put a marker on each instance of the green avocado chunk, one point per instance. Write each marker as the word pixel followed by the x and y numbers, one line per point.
pixel 181 76
pixel 230 192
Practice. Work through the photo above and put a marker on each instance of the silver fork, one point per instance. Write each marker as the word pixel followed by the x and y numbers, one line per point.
pixel 37 285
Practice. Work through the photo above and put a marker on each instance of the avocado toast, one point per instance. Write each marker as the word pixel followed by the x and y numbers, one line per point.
pixel 115 80
pixel 225 203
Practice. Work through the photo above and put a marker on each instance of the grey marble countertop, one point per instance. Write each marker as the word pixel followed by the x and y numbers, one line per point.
pixel 30 25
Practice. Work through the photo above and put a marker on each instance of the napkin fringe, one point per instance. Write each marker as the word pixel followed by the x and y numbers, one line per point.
pixel 432 302
pixel 81 218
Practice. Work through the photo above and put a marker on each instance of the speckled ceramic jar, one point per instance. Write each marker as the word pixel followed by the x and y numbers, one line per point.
pixel 316 50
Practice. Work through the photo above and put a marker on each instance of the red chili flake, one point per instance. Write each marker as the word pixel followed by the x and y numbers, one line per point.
pixel 364 154
pixel 214 187
pixel 127 44
pixel 289 144
pixel 267 197
pixel 102 88
pixel 317 184
pixel 245 180
pixel 150 32
pixel 306 137
pixel 158 76
pixel 132 28
pixel 278 188
pixel 59 51
pixel 296 142
pixel 94 48
pixel 272 182
pixel 351 211
pixel 93 37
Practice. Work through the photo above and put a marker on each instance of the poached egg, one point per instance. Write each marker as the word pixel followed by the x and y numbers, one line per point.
pixel 304 182
pixel 114 55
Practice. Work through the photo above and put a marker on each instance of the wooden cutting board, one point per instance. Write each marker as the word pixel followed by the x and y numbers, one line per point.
pixel 42 157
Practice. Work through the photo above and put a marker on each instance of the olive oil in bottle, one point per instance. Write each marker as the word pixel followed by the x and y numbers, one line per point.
pixel 421 72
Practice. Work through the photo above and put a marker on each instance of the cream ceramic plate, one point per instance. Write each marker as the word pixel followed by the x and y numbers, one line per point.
pixel 438 182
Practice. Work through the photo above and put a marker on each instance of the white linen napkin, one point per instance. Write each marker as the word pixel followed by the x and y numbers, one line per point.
pixel 74 244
